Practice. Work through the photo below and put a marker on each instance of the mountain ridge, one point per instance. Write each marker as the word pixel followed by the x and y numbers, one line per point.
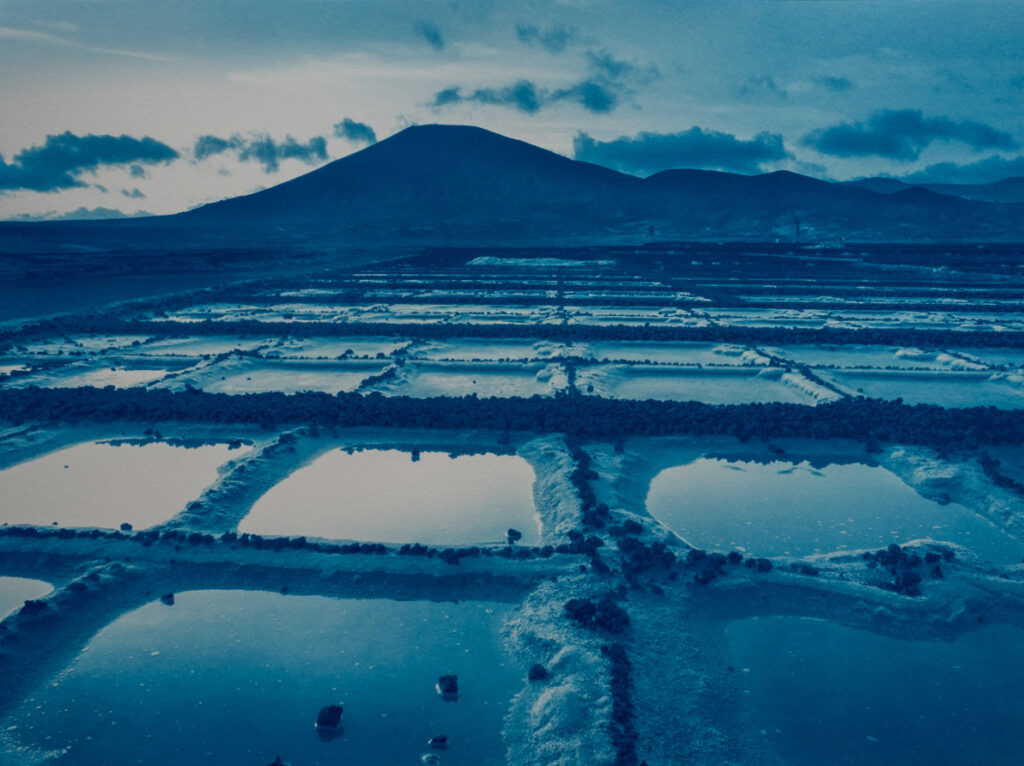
pixel 445 184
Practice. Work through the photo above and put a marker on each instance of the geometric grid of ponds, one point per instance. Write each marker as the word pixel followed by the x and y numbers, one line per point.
pixel 340 510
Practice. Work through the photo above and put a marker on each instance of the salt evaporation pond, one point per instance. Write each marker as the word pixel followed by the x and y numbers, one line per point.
pixel 782 509
pixel 100 484
pixel 961 389
pixel 15 591
pixel 290 378
pixel 822 693
pixel 430 379
pixel 77 375
pixel 388 496
pixel 668 384
pixel 236 678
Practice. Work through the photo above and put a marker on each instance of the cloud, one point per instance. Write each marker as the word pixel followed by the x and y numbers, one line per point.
pixel 594 95
pixel 137 171
pixel 431 33
pixel 606 65
pixel 984 171
pixel 522 95
pixel 836 84
pixel 609 83
pixel 133 194
pixel 554 40
pixel 357 132
pixel 902 134
pixel 648 153
pixel 262 149
pixel 79 214
pixel 32 36
pixel 762 85
pixel 59 162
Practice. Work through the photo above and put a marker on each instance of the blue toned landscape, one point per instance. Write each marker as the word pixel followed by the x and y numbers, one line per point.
pixel 511 384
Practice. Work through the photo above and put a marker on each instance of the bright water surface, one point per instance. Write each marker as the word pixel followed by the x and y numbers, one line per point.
pixel 484 380
pixel 292 378
pixel 15 591
pixel 822 693
pixel 780 508
pixel 386 496
pixel 236 678
pixel 947 390
pixel 98 484
pixel 666 384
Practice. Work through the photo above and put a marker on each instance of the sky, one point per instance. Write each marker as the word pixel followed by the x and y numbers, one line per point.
pixel 157 106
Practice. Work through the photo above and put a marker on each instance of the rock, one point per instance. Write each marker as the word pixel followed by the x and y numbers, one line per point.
pixel 439 742
pixel 278 762
pixel 448 686
pixel 537 672
pixel 329 716
pixel 33 606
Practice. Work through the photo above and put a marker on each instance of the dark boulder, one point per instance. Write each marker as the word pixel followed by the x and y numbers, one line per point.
pixel 329 716
pixel 448 686
pixel 537 672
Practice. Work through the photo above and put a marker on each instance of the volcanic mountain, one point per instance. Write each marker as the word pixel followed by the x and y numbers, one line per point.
pixel 449 184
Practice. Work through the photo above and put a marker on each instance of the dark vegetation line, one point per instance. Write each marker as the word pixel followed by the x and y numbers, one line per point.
pixel 924 338
pixel 582 417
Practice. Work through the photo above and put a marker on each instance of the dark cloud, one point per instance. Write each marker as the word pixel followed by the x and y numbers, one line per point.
pixel 984 171
pixel 648 153
pixel 902 134
pixel 357 132
pixel 208 146
pixel 837 84
pixel 263 149
pixel 594 95
pixel 137 171
pixel 762 85
pixel 59 162
pixel 133 194
pixel 523 95
pixel 79 214
pixel 608 85
pixel 553 40
pixel 605 64
pixel 431 33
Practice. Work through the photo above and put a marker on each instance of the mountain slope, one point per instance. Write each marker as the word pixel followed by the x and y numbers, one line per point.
pixel 444 184
pixel 432 173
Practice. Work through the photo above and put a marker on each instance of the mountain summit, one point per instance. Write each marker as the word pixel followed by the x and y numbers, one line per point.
pixel 454 184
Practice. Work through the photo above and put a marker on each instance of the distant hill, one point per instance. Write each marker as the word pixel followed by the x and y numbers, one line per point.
pixel 445 184
pixel 1009 190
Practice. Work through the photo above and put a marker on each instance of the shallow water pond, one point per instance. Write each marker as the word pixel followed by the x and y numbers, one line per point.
pixel 87 374
pixel 289 377
pixel 429 379
pixel 673 353
pixel 197 347
pixel 15 591
pixel 962 389
pixel 99 484
pixel 388 496
pixel 236 678
pixel 779 508
pixel 468 349
pixel 822 693
pixel 709 386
